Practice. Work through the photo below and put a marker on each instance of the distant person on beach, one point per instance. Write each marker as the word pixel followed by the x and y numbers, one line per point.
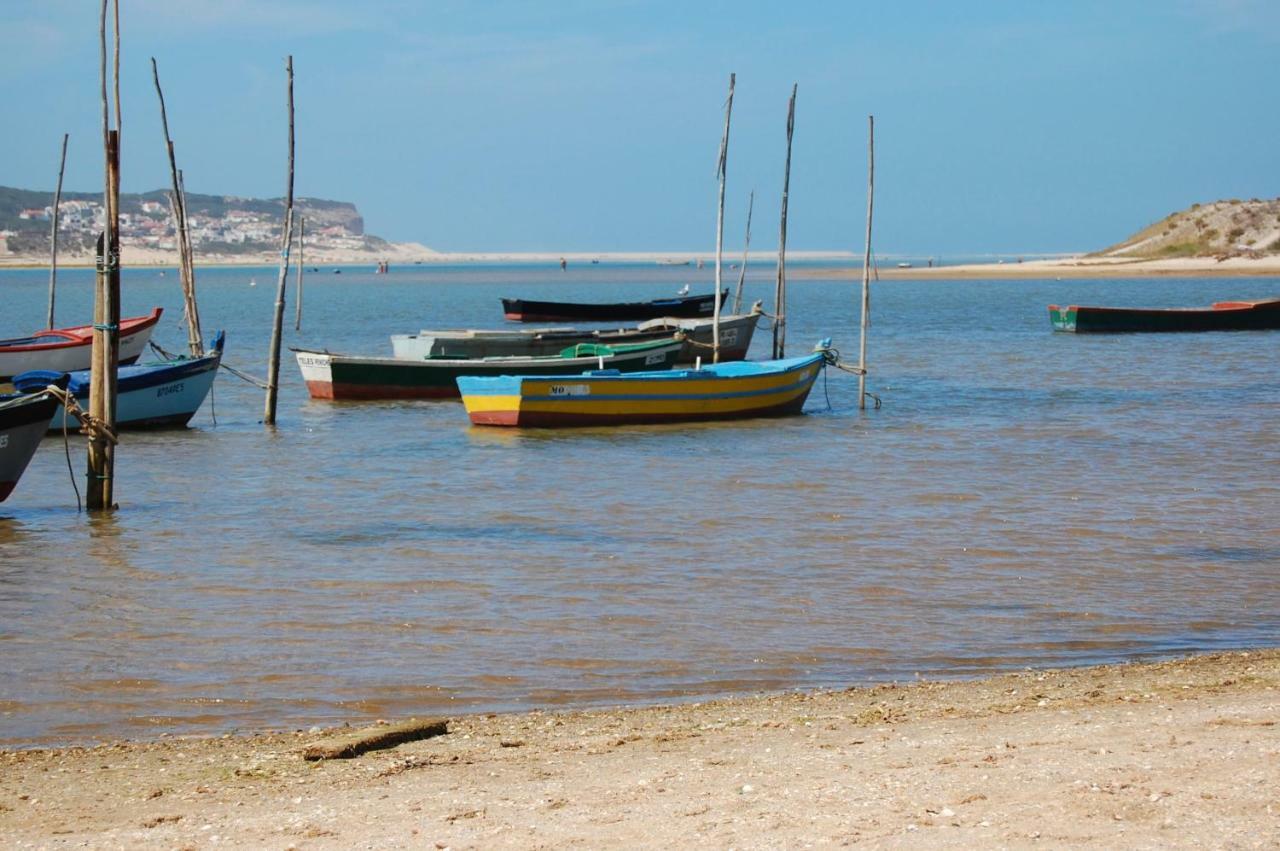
pixel 564 264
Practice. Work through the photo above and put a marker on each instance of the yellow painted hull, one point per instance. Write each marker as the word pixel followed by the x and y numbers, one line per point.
pixel 735 391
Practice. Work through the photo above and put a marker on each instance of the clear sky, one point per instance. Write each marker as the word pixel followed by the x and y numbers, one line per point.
pixel 593 125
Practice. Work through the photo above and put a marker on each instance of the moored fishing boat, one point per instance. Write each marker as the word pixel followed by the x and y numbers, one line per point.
pixel 337 376
pixel 1221 316
pixel 523 310
pixel 735 339
pixel 160 394
pixel 69 349
pixel 23 422
pixel 726 391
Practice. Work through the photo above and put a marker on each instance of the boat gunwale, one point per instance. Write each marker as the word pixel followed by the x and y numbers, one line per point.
pixel 78 335
pixel 626 351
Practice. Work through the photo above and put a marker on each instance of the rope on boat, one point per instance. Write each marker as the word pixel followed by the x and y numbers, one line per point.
pixel 161 351
pixel 90 425
pixel 831 357
pixel 257 382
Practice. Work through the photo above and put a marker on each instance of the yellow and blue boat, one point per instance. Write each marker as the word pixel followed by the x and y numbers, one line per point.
pixel 725 391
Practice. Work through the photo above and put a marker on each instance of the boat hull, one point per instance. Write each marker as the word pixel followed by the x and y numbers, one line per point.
pixel 70 349
pixel 23 422
pixel 1222 316
pixel 165 394
pixel 721 392
pixel 735 339
pixel 691 307
pixel 335 376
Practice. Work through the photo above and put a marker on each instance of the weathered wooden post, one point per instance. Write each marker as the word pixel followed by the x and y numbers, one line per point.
pixel 53 234
pixel 746 247
pixel 720 173
pixel 106 308
pixel 297 316
pixel 273 364
pixel 177 203
pixel 866 265
pixel 780 288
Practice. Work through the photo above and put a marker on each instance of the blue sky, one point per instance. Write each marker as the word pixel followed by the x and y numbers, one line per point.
pixel 1001 127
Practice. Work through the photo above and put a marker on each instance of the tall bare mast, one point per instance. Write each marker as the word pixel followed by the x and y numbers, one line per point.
pixel 720 173
pixel 866 265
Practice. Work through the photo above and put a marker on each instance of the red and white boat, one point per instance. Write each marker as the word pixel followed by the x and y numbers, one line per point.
pixel 69 349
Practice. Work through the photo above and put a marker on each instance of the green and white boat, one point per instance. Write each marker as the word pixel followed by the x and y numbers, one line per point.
pixel 337 376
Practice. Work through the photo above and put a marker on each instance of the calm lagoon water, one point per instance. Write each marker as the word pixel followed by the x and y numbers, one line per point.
pixel 1021 498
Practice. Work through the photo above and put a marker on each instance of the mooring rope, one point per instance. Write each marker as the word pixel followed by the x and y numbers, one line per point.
pixel 257 382
pixel 161 351
pixel 831 357
pixel 66 446
pixel 90 425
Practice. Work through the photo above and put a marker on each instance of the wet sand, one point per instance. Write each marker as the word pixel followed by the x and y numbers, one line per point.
pixel 1183 753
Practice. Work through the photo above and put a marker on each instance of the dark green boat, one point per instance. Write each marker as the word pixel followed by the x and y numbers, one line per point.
pixel 1221 316
pixel 335 376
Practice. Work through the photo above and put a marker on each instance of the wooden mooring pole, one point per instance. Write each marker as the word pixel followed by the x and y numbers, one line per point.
pixel 866 265
pixel 177 203
pixel 780 287
pixel 53 230
pixel 106 308
pixel 273 364
pixel 746 247
pixel 297 315
pixel 720 173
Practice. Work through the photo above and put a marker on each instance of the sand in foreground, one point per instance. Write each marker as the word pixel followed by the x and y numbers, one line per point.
pixel 1174 754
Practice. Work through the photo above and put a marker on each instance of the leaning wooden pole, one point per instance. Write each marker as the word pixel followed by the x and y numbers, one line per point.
pixel 53 230
pixel 187 256
pixel 720 173
pixel 186 269
pixel 866 264
pixel 273 364
pixel 746 247
pixel 297 299
pixel 780 287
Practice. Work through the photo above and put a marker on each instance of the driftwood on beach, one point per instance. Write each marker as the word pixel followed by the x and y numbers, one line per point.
pixel 377 738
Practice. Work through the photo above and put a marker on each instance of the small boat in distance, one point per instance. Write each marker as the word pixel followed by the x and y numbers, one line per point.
pixel 160 394
pixel 69 349
pixel 726 391
pixel 736 332
pixel 523 310
pixel 23 422
pixel 335 376
pixel 1221 316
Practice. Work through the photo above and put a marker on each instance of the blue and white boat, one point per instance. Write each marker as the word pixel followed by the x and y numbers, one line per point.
pixel 159 394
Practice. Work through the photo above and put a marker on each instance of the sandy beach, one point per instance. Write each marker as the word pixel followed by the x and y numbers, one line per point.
pixel 841 264
pixel 1180 753
pixel 412 252
pixel 1070 267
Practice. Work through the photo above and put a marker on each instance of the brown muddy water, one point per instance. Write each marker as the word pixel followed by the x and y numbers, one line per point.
pixel 1021 498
